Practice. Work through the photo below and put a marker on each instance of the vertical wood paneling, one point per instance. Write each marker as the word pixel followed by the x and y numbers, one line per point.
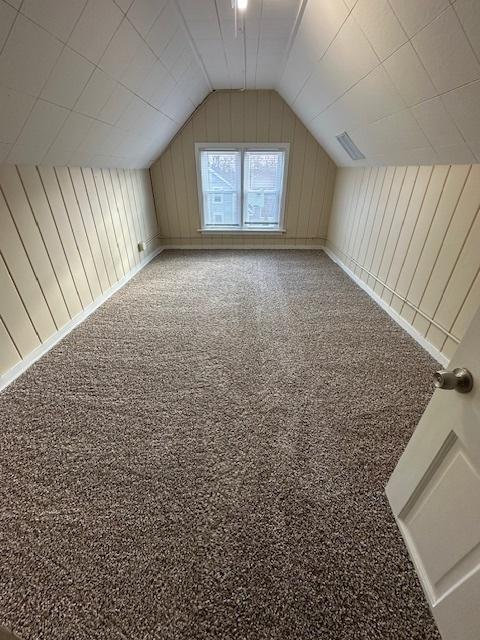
pixel 46 223
pixel 23 276
pixel 15 316
pixel 65 230
pixel 9 354
pixel 415 242
pixel 65 237
pixel 247 116
pixel 89 226
pixel 34 243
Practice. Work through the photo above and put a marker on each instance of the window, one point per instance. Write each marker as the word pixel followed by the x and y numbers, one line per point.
pixel 242 186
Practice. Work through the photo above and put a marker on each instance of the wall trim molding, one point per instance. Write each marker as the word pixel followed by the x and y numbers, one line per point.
pixel 12 374
pixel 423 342
pixel 240 247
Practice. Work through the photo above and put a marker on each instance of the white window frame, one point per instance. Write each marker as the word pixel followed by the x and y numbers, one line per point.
pixel 242 146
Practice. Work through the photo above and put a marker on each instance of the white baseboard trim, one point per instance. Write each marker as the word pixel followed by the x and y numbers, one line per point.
pixel 423 342
pixel 223 247
pixel 16 371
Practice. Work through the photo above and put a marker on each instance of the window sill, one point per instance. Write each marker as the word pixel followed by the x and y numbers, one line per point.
pixel 229 231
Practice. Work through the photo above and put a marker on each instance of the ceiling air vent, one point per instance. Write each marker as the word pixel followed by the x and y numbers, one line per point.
pixel 350 147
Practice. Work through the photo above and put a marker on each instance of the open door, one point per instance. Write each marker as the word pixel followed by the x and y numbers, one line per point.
pixel 434 493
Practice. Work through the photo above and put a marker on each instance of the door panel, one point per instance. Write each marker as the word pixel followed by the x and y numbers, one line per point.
pixel 434 493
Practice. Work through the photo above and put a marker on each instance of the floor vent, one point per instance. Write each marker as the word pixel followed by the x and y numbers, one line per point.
pixel 350 147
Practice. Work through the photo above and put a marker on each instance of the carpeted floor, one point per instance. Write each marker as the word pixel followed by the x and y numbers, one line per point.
pixel 205 458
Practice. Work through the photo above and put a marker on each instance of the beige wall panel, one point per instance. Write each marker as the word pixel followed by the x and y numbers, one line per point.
pixel 263 116
pixel 306 189
pixel 170 194
pixel 249 116
pixel 384 230
pixel 108 222
pixel 422 228
pixel 9 355
pixel 459 232
pixel 127 216
pixel 90 227
pixel 99 222
pixel 33 242
pixel 362 213
pixel 297 162
pixel 358 189
pixel 124 221
pixel 160 200
pixel 408 229
pixel 236 118
pixel 126 180
pixel 418 233
pixel 276 116
pixel 459 281
pixel 317 222
pixel 146 197
pixel 224 119
pixel 15 316
pixel 59 212
pixel 370 219
pixel 436 236
pixel 23 274
pixel 76 220
pixel 468 310
pixel 399 214
pixel 180 187
pixel 63 233
pixel 212 118
pixel 190 180
pixel 116 220
pixel 44 218
pixel 130 212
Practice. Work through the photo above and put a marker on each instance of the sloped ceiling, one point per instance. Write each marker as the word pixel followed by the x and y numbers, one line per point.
pixel 109 82
pixel 402 77
pixel 93 83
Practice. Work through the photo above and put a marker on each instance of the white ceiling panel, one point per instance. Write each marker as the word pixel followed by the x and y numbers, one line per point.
pixel 109 82
pixel 446 53
pixel 416 14
pixel 67 79
pixel 400 76
pixel 468 12
pixel 56 16
pixel 28 57
pixel 381 26
pixel 409 75
pixel 14 111
pixel 7 17
pixel 94 82
pixel 95 27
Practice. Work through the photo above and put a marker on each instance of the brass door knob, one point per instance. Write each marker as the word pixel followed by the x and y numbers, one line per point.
pixel 459 379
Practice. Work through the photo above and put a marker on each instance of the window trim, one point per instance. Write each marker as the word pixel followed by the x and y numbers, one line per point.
pixel 242 146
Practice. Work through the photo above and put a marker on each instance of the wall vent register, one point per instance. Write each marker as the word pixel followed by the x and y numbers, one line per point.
pixel 350 147
pixel 242 186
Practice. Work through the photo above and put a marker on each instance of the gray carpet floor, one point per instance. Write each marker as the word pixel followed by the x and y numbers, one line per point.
pixel 205 458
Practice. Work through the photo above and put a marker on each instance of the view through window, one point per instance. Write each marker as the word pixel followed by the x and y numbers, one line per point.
pixel 242 188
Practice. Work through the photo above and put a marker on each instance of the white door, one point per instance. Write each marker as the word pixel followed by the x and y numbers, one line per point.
pixel 434 493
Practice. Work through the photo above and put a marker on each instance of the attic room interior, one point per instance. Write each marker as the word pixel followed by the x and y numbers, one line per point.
pixel 239 319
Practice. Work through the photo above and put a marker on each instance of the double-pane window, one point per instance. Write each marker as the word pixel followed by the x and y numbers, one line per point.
pixel 242 188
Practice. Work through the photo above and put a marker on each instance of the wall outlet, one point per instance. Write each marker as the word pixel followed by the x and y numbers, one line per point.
pixel 141 246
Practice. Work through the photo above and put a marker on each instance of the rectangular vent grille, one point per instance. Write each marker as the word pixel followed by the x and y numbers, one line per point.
pixel 350 147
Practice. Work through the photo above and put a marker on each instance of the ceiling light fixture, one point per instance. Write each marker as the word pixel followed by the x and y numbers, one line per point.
pixel 239 5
